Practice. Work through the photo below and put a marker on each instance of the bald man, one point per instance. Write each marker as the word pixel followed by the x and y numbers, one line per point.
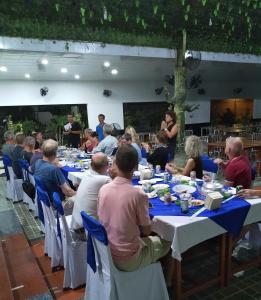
pixel 87 193
pixel 237 170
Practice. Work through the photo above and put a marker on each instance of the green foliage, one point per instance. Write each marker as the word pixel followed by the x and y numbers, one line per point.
pixel 234 25
pixel 29 126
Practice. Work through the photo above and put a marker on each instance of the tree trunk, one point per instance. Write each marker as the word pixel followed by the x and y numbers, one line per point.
pixel 180 73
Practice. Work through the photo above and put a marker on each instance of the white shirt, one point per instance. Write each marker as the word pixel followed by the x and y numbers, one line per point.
pixel 107 145
pixel 86 196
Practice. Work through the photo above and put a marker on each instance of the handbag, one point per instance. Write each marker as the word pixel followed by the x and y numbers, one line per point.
pixel 29 189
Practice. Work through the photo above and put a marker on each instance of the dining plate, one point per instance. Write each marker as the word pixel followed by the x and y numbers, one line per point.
pixel 159 174
pixel 160 186
pixel 196 202
pixel 184 188
pixel 173 198
pixel 151 181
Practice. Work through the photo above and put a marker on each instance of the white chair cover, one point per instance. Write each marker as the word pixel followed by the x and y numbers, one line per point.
pixel 52 242
pixel 73 253
pixel 16 189
pixel 108 283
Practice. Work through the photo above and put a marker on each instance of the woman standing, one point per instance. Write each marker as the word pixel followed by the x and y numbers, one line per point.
pixel 170 129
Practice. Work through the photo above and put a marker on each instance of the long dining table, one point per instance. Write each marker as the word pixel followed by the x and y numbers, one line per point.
pixel 186 231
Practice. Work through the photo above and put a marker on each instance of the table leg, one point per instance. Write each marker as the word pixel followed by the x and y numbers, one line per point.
pixel 177 292
pixel 229 250
pixel 222 259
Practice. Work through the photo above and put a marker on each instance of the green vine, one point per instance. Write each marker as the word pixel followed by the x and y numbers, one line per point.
pixel 225 26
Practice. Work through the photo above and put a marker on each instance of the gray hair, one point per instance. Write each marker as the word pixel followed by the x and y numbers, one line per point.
pixel 88 130
pixel 49 148
pixel 8 136
pixel 235 145
pixel 193 146
pixel 29 141
pixel 107 128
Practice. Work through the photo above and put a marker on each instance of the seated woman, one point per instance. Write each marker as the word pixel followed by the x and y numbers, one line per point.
pixel 87 145
pixel 193 148
pixel 161 154
pixel 28 151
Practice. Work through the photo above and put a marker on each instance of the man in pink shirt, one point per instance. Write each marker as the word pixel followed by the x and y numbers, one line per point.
pixel 123 211
pixel 237 170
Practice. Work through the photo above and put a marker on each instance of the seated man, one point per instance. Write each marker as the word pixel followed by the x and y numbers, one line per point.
pixel 123 211
pixel 108 143
pixel 237 170
pixel 8 147
pixel 49 174
pixel 87 193
pixel 17 154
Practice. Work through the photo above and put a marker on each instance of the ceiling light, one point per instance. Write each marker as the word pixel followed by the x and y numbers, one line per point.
pixel 44 61
pixel 3 68
pixel 77 76
pixel 27 75
pixel 107 64
pixel 64 70
pixel 114 72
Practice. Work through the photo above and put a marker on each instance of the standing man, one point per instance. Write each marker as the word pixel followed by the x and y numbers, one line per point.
pixel 72 130
pixel 99 127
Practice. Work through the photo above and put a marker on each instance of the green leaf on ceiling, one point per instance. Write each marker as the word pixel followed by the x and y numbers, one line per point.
pixel 57 7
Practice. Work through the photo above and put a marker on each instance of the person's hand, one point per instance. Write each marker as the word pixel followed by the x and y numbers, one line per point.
pixel 146 146
pixel 170 167
pixel 113 170
pixel 206 178
pixel 246 193
pixel 66 132
pixel 163 125
pixel 218 161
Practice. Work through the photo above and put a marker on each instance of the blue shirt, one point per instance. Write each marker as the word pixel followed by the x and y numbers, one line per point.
pixel 50 175
pixel 99 130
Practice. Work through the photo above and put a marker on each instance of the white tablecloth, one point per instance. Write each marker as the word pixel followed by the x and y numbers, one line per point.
pixel 75 177
pixel 186 232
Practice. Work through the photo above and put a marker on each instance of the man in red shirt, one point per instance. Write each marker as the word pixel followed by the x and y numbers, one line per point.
pixel 237 170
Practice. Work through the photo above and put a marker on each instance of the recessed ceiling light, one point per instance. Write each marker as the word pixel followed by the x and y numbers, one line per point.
pixel 107 64
pixel 3 68
pixel 27 75
pixel 44 61
pixel 114 72
pixel 77 76
pixel 64 70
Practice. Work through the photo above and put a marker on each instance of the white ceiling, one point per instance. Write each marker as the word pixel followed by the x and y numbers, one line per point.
pixel 90 67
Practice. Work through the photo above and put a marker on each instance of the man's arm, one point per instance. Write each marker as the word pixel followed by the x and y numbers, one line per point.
pixel 99 148
pixel 67 191
pixel 145 230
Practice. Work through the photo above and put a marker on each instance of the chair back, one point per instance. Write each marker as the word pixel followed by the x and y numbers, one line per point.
pixel 25 168
pixel 7 163
pixel 209 165
pixel 57 202
pixel 40 194
pixel 98 252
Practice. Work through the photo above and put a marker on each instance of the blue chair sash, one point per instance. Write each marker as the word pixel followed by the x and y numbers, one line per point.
pixel 25 166
pixel 209 165
pixel 42 196
pixel 97 231
pixel 59 212
pixel 7 163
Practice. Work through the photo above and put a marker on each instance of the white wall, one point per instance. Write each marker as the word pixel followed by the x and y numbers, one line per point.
pixel 14 93
pixel 17 93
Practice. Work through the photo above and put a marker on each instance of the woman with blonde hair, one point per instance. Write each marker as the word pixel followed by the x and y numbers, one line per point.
pixel 193 150
pixel 135 140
